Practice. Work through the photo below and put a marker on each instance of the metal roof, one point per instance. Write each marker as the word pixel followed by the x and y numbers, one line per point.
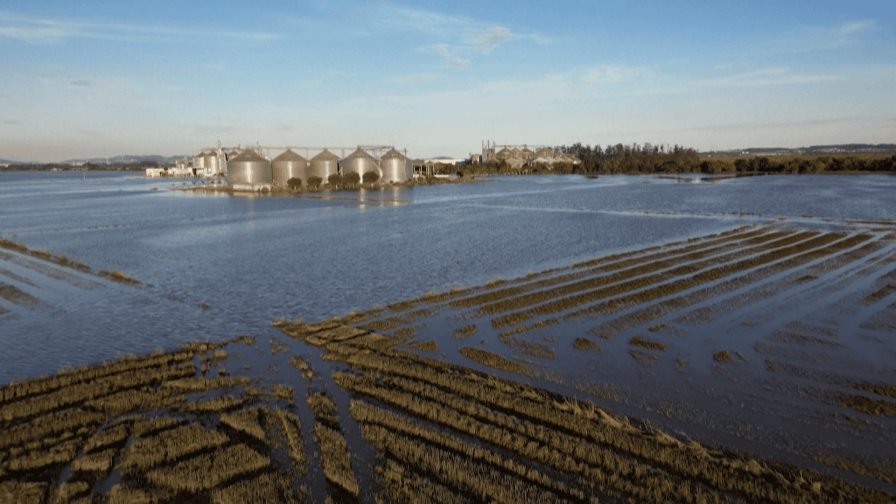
pixel 289 155
pixel 248 155
pixel 360 153
pixel 325 155
pixel 393 154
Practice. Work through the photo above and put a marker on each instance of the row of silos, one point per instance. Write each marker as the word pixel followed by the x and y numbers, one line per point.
pixel 248 170
pixel 209 163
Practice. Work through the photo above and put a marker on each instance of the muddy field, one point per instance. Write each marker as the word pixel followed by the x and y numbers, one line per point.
pixel 752 365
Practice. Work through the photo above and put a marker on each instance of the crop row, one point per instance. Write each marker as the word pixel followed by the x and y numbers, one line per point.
pixel 208 470
pixel 68 378
pixel 718 470
pixel 335 456
pixel 603 466
pixel 603 264
pixel 468 467
pixel 652 312
pixel 627 281
pixel 653 292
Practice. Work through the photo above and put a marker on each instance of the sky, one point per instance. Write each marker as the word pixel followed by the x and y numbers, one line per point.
pixel 102 78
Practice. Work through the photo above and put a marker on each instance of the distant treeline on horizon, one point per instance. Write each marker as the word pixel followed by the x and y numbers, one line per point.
pixel 649 158
pixel 138 166
pixel 620 158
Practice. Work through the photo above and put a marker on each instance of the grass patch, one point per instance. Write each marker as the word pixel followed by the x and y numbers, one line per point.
pixel 492 359
pixel 118 276
pixel 425 346
pixel 465 332
pixel 583 344
pixel 870 406
pixel 646 343
pixel 722 356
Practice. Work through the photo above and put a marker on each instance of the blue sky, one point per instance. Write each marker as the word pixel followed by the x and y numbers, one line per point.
pixel 103 78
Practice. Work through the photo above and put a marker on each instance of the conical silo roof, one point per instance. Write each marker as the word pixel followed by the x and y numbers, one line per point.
pixel 360 153
pixel 393 154
pixel 248 155
pixel 325 155
pixel 289 155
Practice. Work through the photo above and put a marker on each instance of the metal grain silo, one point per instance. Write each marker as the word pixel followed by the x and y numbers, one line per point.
pixel 213 164
pixel 503 154
pixel 360 162
pixel 199 162
pixel 289 165
pixel 527 154
pixel 323 165
pixel 249 171
pixel 396 167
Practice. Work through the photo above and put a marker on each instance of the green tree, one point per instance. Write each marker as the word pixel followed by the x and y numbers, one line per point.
pixel 351 179
pixel 371 177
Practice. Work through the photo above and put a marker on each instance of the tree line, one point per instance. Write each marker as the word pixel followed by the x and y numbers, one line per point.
pixel 658 159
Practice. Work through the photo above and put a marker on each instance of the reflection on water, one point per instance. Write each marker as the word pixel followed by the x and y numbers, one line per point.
pixel 255 259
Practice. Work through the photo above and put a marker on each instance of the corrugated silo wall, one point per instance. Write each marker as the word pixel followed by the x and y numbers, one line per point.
pixel 283 170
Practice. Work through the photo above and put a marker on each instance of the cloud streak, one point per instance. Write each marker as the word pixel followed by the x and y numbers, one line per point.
pixel 457 38
pixel 41 30
pixel 449 57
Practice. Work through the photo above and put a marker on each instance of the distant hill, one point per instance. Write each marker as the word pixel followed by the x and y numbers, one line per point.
pixel 114 163
pixel 812 150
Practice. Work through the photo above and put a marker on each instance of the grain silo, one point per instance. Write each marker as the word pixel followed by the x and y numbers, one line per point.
pixel 249 171
pixel 199 163
pixel 213 164
pixel 360 162
pixel 503 154
pixel 527 154
pixel 289 165
pixel 396 167
pixel 323 165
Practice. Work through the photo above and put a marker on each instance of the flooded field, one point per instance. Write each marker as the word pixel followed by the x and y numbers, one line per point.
pixel 511 390
pixel 539 339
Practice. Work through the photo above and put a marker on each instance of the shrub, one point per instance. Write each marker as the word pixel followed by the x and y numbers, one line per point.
pixel 314 181
pixel 351 179
pixel 371 177
pixel 294 184
pixel 335 180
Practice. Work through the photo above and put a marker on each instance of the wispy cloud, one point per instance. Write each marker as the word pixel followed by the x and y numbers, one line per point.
pixel 42 30
pixel 457 39
pixel 487 40
pixel 81 83
pixel 772 76
pixel 448 56
pixel 824 38
pixel 416 78
pixel 853 27
pixel 607 74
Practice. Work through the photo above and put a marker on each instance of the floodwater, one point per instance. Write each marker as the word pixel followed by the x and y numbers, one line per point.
pixel 218 266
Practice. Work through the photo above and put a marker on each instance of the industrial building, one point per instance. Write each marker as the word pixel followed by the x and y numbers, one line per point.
pixel 519 156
